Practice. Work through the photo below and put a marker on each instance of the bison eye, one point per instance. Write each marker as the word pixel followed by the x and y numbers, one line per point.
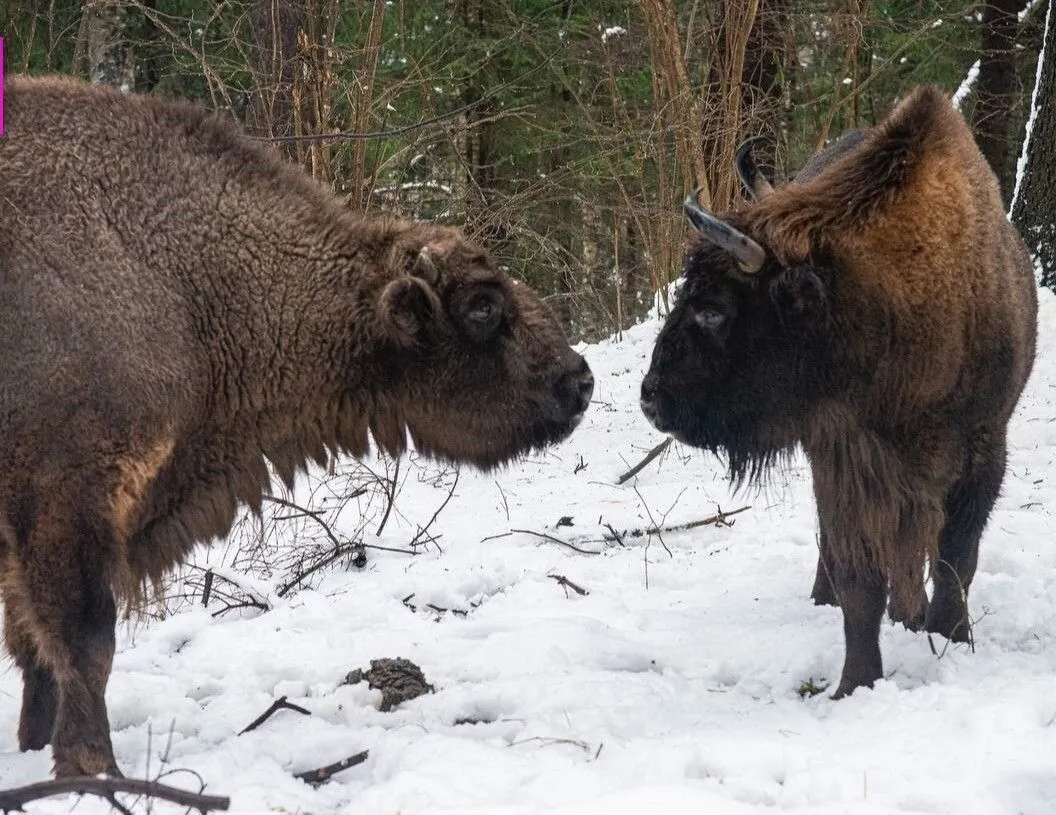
pixel 710 319
pixel 482 315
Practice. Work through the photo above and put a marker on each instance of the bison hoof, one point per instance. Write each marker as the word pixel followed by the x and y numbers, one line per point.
pixel 85 760
pixel 954 628
pixel 824 597
pixel 847 687
pixel 913 620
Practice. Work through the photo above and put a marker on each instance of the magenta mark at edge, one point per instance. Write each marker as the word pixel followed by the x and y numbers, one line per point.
pixel 1 86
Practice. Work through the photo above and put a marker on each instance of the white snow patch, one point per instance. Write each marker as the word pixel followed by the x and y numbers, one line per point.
pixel 670 687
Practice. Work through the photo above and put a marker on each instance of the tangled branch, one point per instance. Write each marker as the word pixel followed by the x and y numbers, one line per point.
pixel 15 799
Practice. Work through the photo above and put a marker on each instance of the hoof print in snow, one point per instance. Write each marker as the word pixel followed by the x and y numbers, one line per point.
pixel 398 680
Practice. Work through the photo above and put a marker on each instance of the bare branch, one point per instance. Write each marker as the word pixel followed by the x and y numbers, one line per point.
pixel 276 706
pixel 15 799
pixel 323 774
pixel 641 465
pixel 423 531
pixel 544 536
pixel 568 584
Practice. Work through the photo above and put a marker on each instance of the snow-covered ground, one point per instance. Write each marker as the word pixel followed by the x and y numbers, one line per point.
pixel 673 686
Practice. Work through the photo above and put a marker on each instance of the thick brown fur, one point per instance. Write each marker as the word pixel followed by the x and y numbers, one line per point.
pixel 178 308
pixel 890 333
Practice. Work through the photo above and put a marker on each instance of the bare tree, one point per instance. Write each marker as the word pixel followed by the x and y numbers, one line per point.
pixel 997 91
pixel 104 52
pixel 1034 199
pixel 274 26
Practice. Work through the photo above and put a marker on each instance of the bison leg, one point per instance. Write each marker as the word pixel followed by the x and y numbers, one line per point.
pixel 69 612
pixel 823 594
pixel 39 699
pixel 968 507
pixel 862 600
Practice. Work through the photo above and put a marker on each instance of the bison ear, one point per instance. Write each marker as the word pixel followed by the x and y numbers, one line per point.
pixel 406 306
pixel 801 299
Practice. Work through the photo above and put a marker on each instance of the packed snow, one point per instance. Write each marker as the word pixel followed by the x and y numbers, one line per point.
pixel 683 681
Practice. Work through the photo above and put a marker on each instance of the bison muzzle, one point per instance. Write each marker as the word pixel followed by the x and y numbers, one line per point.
pixel 180 309
pixel 880 312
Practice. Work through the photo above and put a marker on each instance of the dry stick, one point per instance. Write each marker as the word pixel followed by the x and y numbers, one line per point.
pixel 322 774
pixel 245 604
pixel 208 587
pixel 423 530
pixel 315 516
pixel 458 612
pixel 616 536
pixel 277 705
pixel 544 536
pixel 15 799
pixel 390 494
pixel 655 526
pixel 112 798
pixel 564 581
pixel 718 519
pixel 300 577
pixel 341 549
pixel 637 468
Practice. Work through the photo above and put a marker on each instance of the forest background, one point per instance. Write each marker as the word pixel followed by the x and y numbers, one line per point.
pixel 564 134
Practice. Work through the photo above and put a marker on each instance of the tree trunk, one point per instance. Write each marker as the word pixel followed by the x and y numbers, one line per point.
pixel 1034 201
pixel 275 25
pixel 723 114
pixel 769 59
pixel 997 93
pixel 103 48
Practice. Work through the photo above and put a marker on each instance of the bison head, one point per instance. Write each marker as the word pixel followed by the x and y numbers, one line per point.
pixel 732 367
pixel 477 369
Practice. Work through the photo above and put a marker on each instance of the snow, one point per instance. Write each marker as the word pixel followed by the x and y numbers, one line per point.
pixel 672 686
pixel 967 85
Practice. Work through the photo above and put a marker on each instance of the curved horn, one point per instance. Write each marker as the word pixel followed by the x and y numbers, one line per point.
pixel 750 255
pixel 754 181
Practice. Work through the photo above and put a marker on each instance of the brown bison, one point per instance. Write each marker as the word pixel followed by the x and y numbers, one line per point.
pixel 178 308
pixel 882 315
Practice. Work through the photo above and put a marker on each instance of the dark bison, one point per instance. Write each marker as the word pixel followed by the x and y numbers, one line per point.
pixel 178 308
pixel 882 315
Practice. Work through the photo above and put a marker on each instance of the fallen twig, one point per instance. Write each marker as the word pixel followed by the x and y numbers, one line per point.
pixel 544 536
pixel 424 530
pixel 719 519
pixel 568 584
pixel 658 527
pixel 323 774
pixel 15 799
pixel 277 705
pixel 641 465
pixel 616 536
pixel 243 604
pixel 459 612
pixel 353 548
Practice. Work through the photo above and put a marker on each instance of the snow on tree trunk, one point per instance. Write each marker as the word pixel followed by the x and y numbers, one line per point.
pixel 105 44
pixel 1033 208
pixel 996 87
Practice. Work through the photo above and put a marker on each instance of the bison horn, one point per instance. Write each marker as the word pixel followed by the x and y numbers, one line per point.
pixel 750 255
pixel 425 267
pixel 754 181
